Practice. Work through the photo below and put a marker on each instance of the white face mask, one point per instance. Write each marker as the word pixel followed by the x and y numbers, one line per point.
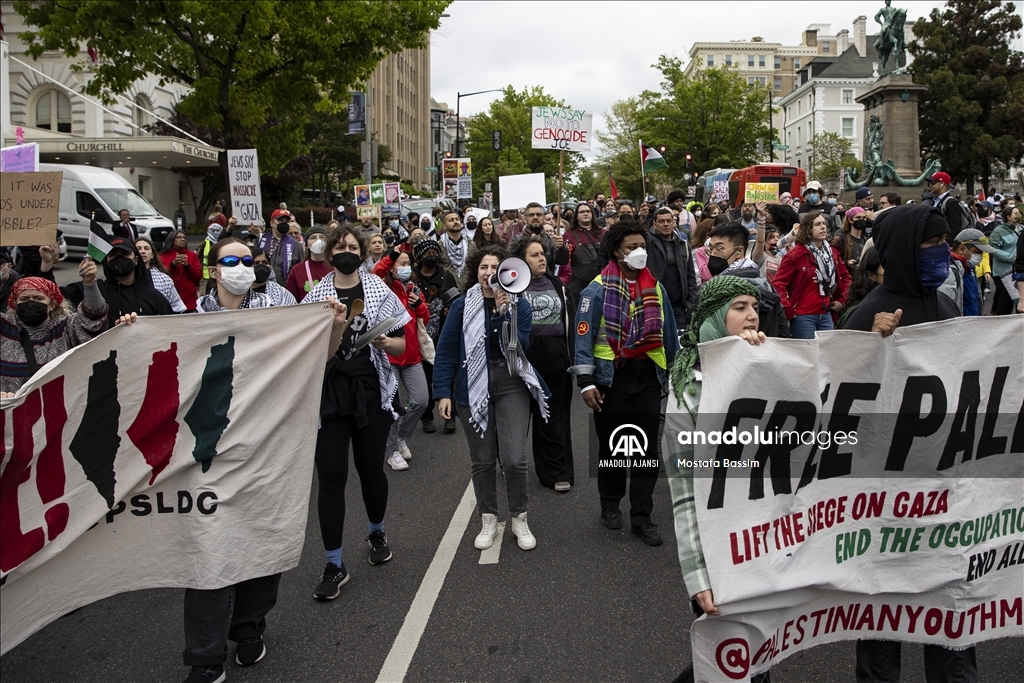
pixel 237 279
pixel 974 261
pixel 318 246
pixel 636 259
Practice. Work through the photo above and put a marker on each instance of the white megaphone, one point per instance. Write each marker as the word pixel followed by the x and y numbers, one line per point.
pixel 513 276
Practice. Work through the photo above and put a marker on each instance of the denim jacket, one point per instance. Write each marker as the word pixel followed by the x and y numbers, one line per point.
pixel 590 332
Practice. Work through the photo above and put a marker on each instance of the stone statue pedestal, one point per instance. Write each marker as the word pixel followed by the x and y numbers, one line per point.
pixel 894 100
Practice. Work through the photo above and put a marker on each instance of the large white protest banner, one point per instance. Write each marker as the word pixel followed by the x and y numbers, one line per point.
pixel 516 191
pixel 244 182
pixel 562 128
pixel 873 490
pixel 151 457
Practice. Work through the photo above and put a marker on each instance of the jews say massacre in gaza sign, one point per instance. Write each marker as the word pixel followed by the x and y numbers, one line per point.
pixel 872 490
pixel 562 128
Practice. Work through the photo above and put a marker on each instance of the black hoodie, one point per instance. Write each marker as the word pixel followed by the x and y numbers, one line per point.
pixel 897 236
pixel 139 297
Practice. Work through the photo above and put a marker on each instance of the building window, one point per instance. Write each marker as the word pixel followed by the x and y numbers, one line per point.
pixel 763 80
pixel 810 130
pixel 728 60
pixel 53 112
pixel 750 60
pixel 799 107
pixel 139 117
pixel 750 80
pixel 760 61
pixel 824 47
pixel 778 63
pixel 777 83
pixel 799 136
pixel 848 127
pixel 711 60
pixel 799 164
pixel 145 187
pixel 789 112
pixel 847 95
pixel 789 137
pixel 796 63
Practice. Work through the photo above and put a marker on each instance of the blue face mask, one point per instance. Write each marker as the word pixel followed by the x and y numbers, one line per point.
pixel 933 262
pixel 831 200
pixel 404 273
pixel 813 198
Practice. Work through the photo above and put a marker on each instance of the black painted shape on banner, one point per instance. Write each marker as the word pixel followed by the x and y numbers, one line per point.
pixel 208 416
pixel 96 441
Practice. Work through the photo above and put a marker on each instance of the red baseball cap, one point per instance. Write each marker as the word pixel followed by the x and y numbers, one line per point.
pixel 940 177
pixel 280 212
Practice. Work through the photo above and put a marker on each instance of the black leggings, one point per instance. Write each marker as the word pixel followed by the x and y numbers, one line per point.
pixel 332 468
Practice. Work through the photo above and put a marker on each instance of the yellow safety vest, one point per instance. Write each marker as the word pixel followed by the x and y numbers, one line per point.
pixel 204 252
pixel 603 351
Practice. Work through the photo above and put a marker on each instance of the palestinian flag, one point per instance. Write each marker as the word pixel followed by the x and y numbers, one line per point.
pixel 650 160
pixel 99 245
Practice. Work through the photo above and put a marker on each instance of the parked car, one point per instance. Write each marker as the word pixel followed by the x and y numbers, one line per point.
pixel 87 191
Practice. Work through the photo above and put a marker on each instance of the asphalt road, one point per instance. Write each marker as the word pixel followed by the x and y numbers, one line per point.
pixel 588 604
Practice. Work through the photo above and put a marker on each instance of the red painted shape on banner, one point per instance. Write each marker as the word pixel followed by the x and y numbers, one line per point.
pixel 156 428
pixel 50 477
pixel 16 547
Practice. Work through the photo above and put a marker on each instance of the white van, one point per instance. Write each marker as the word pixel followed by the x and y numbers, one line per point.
pixel 88 191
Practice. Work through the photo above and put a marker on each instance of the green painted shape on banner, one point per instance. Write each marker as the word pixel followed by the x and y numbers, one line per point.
pixel 208 416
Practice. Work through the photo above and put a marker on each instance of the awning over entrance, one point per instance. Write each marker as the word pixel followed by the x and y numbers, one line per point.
pixel 140 152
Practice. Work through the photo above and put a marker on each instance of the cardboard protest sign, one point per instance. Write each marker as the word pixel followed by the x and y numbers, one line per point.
pixel 562 128
pixel 516 191
pixel 844 499
pixel 761 192
pixel 720 191
pixel 181 475
pixel 244 181
pixel 20 158
pixel 363 195
pixel 29 203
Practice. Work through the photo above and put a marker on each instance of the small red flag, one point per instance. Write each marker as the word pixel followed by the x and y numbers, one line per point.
pixel 612 190
pixel 94 56
pixel 981 196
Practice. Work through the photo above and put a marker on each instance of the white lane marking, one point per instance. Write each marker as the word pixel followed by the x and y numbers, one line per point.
pixel 490 555
pixel 402 650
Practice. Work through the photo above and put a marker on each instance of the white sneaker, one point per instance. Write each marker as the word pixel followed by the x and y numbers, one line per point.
pixel 403 448
pixel 521 530
pixel 486 536
pixel 397 462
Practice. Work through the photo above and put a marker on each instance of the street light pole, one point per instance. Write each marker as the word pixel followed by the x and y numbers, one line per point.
pixel 771 140
pixel 458 127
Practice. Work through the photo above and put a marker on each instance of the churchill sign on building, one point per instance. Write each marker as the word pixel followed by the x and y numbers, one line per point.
pixel 562 128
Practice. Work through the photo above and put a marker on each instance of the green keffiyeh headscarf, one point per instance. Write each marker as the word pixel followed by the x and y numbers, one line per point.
pixel 707 324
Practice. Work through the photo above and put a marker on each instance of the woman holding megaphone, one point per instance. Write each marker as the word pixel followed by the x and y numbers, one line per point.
pixel 478 356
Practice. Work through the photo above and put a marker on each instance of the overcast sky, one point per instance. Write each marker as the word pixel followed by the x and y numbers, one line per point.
pixel 591 54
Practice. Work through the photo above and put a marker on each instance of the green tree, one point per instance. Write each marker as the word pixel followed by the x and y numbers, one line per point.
pixel 512 115
pixel 972 116
pixel 256 69
pixel 828 154
pixel 714 115
pixel 620 154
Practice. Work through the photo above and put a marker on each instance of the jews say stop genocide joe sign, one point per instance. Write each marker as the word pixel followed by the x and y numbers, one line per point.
pixel 150 457
pixel 562 128
pixel 871 491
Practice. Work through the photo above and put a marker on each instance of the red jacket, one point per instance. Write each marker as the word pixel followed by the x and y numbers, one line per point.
pixel 796 282
pixel 411 356
pixel 186 277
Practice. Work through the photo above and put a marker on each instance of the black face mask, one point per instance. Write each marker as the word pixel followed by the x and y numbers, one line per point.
pixel 32 313
pixel 120 266
pixel 282 228
pixel 429 261
pixel 262 273
pixel 717 265
pixel 346 262
pixel 860 225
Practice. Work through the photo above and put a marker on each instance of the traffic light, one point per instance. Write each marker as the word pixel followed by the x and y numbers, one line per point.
pixel 448 154
pixel 496 140
pixel 663 149
pixel 689 161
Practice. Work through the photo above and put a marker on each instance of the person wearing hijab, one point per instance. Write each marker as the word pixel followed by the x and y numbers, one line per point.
pixel 472 366
pixel 626 340
pixel 727 306
pixel 913 250
pixel 35 328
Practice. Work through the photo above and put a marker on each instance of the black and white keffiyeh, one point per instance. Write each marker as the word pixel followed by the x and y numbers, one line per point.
pixel 210 303
pixel 456 253
pixel 379 304
pixel 278 295
pixel 165 285
pixel 825 266
pixel 474 339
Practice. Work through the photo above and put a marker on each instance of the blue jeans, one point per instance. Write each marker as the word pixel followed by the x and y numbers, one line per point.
pixel 804 326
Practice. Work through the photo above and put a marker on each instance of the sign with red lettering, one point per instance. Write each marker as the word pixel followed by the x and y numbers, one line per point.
pixel 562 128
pixel 872 490
pixel 118 455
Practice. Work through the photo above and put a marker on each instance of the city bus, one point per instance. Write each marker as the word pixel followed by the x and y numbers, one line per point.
pixel 790 179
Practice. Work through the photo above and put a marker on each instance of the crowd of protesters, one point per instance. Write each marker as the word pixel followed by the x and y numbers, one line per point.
pixel 618 296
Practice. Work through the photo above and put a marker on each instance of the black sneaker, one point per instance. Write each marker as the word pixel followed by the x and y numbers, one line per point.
pixel 648 533
pixel 250 651
pixel 331 582
pixel 611 518
pixel 207 674
pixel 379 550
pixel 428 426
pixel 449 426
